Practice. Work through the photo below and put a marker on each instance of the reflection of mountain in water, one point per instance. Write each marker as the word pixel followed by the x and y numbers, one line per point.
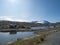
pixel 13 32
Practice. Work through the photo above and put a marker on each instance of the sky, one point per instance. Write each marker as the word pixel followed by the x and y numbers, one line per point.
pixel 30 10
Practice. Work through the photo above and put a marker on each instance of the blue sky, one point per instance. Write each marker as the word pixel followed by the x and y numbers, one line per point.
pixel 30 10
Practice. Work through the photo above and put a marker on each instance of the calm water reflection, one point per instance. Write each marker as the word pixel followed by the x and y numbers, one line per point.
pixel 6 37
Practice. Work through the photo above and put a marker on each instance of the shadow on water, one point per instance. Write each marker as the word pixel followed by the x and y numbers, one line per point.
pixel 13 32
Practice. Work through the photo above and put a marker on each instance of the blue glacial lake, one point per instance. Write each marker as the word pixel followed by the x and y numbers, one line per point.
pixel 6 37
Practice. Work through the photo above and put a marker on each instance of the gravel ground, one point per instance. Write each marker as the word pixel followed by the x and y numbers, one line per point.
pixel 53 39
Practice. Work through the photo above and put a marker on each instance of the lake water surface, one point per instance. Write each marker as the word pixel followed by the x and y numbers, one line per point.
pixel 41 27
pixel 6 37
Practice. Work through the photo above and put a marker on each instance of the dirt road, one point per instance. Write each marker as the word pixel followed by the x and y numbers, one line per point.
pixel 53 39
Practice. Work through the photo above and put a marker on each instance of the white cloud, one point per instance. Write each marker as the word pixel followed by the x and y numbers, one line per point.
pixel 11 18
